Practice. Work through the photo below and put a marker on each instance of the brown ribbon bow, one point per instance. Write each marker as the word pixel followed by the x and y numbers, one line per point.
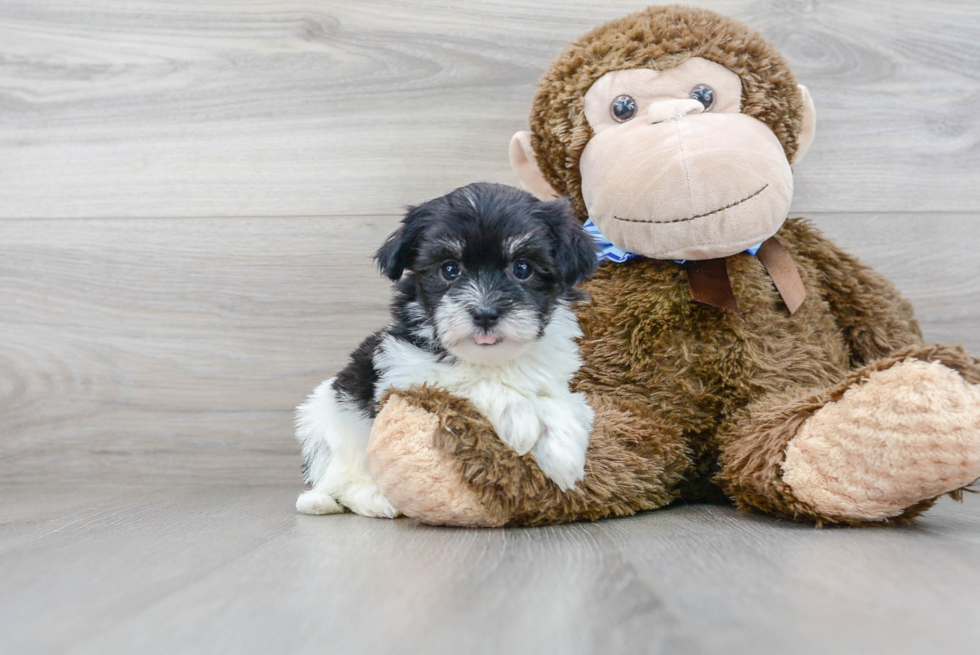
pixel 710 284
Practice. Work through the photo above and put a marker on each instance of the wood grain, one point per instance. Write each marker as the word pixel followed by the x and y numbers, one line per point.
pixel 152 340
pixel 189 196
pixel 255 108
pixel 174 350
pixel 151 569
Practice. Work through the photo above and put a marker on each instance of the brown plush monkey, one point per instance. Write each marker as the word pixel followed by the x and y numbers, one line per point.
pixel 673 130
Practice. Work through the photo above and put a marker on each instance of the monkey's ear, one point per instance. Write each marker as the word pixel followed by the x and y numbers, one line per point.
pixel 809 128
pixel 401 247
pixel 525 164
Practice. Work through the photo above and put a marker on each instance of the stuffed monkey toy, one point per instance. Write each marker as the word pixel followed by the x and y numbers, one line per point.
pixel 730 353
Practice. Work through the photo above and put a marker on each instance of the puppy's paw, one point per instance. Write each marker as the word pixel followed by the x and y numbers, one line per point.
pixel 365 499
pixel 560 452
pixel 517 425
pixel 561 460
pixel 316 502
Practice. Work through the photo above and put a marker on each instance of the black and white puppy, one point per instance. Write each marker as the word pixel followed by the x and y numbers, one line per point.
pixel 484 285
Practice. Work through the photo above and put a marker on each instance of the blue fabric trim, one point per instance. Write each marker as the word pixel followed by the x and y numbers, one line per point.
pixel 608 251
pixel 606 248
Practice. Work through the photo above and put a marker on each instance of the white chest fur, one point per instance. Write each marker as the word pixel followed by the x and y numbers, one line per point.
pixel 526 399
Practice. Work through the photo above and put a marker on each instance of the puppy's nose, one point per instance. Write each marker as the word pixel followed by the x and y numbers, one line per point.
pixel 485 317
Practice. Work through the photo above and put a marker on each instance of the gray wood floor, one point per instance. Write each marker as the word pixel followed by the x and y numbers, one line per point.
pixel 207 569
pixel 189 196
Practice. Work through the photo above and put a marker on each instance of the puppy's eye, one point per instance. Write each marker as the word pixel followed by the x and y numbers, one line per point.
pixel 703 94
pixel 522 270
pixel 622 109
pixel 450 271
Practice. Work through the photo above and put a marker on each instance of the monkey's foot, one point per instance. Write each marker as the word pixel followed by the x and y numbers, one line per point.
pixel 416 476
pixel 906 434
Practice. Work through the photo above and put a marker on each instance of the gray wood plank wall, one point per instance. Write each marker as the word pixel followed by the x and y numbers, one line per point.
pixel 190 193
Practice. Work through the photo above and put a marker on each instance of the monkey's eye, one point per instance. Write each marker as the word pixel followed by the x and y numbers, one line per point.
pixel 703 94
pixel 522 270
pixel 450 271
pixel 622 109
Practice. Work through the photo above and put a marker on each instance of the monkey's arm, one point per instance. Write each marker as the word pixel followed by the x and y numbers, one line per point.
pixel 875 318
pixel 436 459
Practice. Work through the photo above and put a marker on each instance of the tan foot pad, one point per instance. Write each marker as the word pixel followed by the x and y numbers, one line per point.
pixel 909 433
pixel 419 480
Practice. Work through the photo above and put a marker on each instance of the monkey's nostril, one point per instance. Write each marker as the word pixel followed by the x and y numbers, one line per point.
pixel 485 317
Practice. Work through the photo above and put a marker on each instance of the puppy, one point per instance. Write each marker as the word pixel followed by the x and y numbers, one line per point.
pixel 483 310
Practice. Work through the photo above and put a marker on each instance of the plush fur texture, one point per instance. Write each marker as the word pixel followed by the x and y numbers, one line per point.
pixel 625 473
pixel 849 458
pixel 405 430
pixel 657 38
pixel 754 447
pixel 693 402
pixel 483 311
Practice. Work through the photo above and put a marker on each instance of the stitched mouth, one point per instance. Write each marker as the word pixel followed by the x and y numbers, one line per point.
pixel 691 218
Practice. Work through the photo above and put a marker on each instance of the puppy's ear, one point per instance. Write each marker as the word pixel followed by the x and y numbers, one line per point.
pixel 575 251
pixel 400 249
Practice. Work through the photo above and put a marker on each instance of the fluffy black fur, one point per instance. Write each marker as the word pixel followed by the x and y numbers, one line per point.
pixel 485 230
